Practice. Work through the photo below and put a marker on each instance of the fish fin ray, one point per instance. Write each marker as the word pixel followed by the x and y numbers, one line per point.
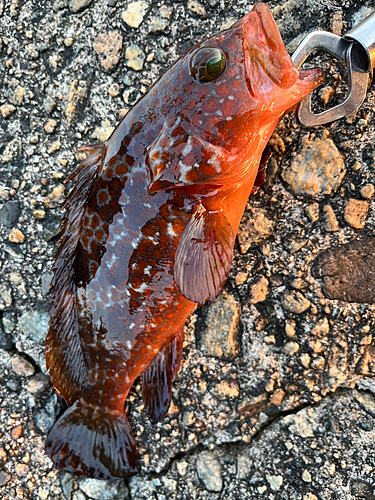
pixel 97 444
pixel 64 353
pixel 157 383
pixel 205 251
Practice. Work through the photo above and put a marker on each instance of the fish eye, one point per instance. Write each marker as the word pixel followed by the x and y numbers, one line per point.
pixel 207 64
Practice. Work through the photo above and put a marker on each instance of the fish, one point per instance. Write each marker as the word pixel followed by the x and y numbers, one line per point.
pixel 149 230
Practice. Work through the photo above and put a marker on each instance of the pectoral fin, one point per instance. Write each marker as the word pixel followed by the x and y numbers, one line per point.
pixel 203 255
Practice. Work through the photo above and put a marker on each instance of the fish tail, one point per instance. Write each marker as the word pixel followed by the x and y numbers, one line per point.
pixel 89 441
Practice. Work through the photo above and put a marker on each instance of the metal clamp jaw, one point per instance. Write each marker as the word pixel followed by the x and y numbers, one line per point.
pixel 357 50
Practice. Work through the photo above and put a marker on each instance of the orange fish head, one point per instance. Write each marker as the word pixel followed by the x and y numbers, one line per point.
pixel 272 78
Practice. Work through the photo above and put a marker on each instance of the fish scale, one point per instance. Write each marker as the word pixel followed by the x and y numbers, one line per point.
pixel 149 232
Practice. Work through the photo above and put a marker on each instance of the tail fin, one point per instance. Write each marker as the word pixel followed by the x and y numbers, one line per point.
pixel 87 441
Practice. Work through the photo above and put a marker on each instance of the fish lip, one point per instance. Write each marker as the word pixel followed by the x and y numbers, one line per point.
pixel 269 68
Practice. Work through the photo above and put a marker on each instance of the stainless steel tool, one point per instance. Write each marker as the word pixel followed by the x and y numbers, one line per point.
pixel 356 49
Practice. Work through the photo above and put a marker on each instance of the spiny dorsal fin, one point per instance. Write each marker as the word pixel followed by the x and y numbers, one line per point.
pixel 64 354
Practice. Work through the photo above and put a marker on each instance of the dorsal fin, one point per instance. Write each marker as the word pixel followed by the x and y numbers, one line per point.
pixel 64 354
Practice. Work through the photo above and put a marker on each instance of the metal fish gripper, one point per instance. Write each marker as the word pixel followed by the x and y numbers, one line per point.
pixel 356 49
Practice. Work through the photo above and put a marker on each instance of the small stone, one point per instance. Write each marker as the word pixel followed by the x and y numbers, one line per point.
pixel 326 93
pixel 7 109
pixel 56 198
pixel 103 132
pixel 355 213
pixel 182 467
pixel 103 490
pixel 78 92
pixel 303 423
pixel 256 226
pixel 197 8
pixel 135 57
pixel 227 389
pixel 21 366
pixel 310 496
pixel 259 290
pixel 46 280
pixel 17 431
pixel 227 23
pixel 12 151
pixel 77 5
pixel 46 417
pixel 34 324
pixel 188 418
pixel 37 384
pixel 244 465
pixel 241 278
pixel 6 341
pixel 16 236
pixel 5 296
pixel 55 146
pixel 209 471
pixel 312 212
pixel 220 337
pixel 367 191
pixel 19 93
pixel 275 482
pixel 290 327
pixel 306 476
pixel 108 46
pixel 21 470
pixel 330 221
pixel 68 42
pixel 317 170
pixel 50 126
pixel 157 25
pixel 10 212
pixel 291 348
pixel 295 302
pixel 305 360
pixel 39 214
pixel 337 22
pixel 135 13
pixel 321 328
pixel 277 397
pixel 4 478
pixel 166 11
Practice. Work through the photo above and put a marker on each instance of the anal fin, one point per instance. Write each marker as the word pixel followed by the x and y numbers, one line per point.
pixel 157 378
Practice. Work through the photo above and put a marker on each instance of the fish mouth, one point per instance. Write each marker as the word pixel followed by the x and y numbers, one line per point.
pixel 269 68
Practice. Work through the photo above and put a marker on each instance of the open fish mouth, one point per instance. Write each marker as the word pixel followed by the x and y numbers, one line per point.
pixel 268 65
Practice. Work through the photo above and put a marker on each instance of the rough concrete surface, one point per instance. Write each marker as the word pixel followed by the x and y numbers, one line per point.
pixel 275 397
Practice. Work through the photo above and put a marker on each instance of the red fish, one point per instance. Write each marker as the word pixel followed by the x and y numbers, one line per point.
pixel 149 233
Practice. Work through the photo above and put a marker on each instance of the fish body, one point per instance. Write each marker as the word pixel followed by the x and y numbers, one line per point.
pixel 149 233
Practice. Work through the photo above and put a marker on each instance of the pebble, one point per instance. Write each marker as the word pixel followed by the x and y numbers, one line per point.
pixel 17 431
pixel 367 191
pixel 50 126
pixel 227 389
pixel 46 417
pixel 21 366
pixel 256 226
pixel 56 198
pixel 78 92
pixel 135 57
pixel 326 93
pixel 275 482
pixel 317 170
pixel 103 490
pixel 108 46
pixel 37 384
pixel 295 302
pixel 312 212
pixel 304 423
pixel 291 348
pixel 6 297
pixel 12 151
pixel 306 476
pixel 355 213
pixel 241 278
pixel 244 465
pixel 259 290
pixel 220 338
pixel 4 478
pixel 197 8
pixel 77 5
pixel 17 236
pixel 39 214
pixel 34 324
pixel 157 25
pixel 135 13
pixel 46 279
pixel 10 212
pixel 6 341
pixel 7 109
pixel 209 471
pixel 330 220
pixel 103 132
